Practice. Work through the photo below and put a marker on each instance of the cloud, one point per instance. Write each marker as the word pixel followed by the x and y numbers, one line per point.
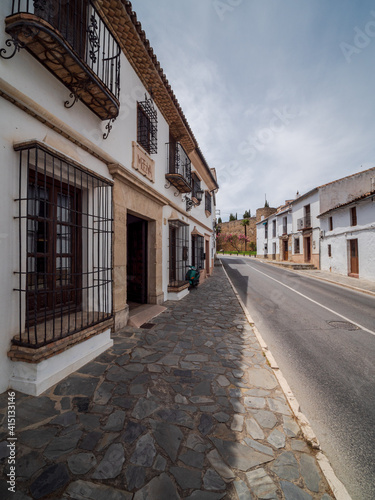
pixel 237 77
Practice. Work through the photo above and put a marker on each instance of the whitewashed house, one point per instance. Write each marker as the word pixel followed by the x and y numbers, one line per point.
pixel 348 238
pixel 273 234
pixel 305 235
pixel 106 197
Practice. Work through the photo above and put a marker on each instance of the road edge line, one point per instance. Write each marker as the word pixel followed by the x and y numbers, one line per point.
pixel 308 433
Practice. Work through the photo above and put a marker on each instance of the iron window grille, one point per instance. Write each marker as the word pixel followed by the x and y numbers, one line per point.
pixel 197 249
pixel 65 255
pixel 196 185
pixel 178 253
pixel 208 202
pixel 266 230
pixel 147 126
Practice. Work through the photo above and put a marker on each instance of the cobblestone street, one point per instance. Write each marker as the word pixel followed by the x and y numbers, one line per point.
pixel 186 409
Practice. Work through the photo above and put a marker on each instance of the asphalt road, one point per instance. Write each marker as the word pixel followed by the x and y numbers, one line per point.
pixel 323 339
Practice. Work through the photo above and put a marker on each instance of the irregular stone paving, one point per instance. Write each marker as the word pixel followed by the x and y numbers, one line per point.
pixel 188 409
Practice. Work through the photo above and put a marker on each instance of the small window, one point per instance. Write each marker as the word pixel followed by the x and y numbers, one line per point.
pixel 353 216
pixel 147 126
pixel 273 229
pixel 266 230
pixel 330 223
pixel 296 245
pixel 329 251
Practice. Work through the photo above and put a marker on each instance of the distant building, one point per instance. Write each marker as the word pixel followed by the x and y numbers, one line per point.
pixel 330 227
pixel 348 238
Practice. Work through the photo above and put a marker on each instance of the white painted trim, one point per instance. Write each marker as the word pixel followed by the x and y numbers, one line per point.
pixel 35 378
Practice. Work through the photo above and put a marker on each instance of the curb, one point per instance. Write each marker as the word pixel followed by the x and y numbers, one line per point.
pixel 334 482
pixel 320 278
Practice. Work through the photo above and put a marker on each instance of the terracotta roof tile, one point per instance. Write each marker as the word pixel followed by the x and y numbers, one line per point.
pixel 341 205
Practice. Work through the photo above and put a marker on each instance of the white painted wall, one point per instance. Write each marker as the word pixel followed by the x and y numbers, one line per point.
pixel 343 232
pixel 24 74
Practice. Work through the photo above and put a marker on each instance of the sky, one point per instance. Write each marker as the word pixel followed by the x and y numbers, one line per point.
pixel 279 94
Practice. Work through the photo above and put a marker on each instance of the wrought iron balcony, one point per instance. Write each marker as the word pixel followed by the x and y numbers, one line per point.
pixel 72 41
pixel 304 223
pixel 178 167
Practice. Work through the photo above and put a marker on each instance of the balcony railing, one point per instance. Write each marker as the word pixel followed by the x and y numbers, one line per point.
pixel 178 167
pixel 72 41
pixel 304 223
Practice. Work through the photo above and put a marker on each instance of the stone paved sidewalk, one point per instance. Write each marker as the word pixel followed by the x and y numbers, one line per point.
pixel 187 409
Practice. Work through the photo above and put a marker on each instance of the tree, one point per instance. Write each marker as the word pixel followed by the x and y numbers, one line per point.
pixel 232 217
pixel 219 221
pixel 235 240
pixel 245 223
pixel 266 205
pixel 247 214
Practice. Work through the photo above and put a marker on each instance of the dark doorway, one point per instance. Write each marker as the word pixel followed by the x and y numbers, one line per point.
pixel 307 241
pixel 137 260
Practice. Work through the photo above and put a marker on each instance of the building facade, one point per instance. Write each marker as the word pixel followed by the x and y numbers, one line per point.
pixel 330 227
pixel 106 196
pixel 348 238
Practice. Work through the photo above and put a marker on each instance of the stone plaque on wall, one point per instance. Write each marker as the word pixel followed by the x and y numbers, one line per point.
pixel 143 163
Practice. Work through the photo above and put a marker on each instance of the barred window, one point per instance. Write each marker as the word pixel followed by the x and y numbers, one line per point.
pixel 208 202
pixel 147 126
pixel 197 249
pixel 178 252
pixel 65 264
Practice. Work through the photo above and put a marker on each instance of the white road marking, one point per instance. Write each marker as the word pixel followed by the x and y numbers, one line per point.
pixel 314 301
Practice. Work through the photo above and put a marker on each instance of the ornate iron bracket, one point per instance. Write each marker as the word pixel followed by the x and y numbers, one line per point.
pixel 17 47
pixel 189 202
pixel 167 185
pixel 108 128
pixel 75 98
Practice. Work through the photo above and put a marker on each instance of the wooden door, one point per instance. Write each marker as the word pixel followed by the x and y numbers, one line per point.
pixel 286 254
pixel 354 263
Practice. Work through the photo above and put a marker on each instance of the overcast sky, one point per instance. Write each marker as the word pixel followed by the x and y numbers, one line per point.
pixel 280 94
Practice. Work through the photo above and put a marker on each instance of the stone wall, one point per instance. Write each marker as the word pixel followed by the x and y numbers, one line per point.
pixel 265 211
pixel 236 227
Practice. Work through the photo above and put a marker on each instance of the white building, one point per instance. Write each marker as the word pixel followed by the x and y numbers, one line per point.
pixel 348 238
pixel 101 185
pixel 305 235
pixel 273 234
pixel 302 227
